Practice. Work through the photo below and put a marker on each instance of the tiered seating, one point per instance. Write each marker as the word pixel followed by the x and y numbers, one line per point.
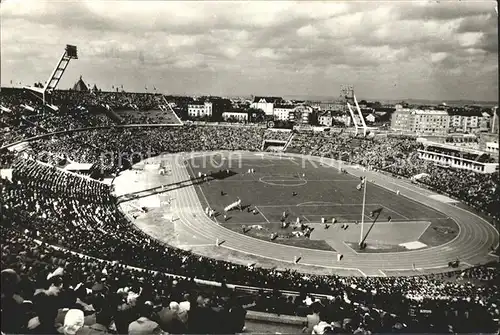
pixel 270 135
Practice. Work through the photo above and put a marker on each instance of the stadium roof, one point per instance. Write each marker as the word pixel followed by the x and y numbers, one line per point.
pixel 80 85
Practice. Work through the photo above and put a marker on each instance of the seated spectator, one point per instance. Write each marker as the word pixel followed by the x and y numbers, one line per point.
pixel 169 319
pixel 312 319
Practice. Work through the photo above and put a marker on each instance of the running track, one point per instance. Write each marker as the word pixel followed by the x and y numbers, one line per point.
pixel 471 246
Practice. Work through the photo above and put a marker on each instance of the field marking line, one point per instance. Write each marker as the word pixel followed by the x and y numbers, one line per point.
pixel 187 222
pixel 382 272
pixel 352 249
pixel 311 204
pixel 420 268
pixel 392 210
pixel 400 184
pixel 292 262
pixel 194 245
pixel 247 223
pixel 260 212
pixel 253 177
pixel 362 273
pixel 202 193
pixel 423 232
pixel 303 180
pixel 305 217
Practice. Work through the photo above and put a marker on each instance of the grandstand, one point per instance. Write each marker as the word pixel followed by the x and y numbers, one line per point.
pixel 276 139
pixel 41 205
pixel 459 158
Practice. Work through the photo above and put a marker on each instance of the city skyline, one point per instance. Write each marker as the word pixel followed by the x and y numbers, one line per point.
pixel 433 51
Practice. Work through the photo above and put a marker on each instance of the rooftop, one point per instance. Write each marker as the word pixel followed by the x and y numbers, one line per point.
pixel 268 99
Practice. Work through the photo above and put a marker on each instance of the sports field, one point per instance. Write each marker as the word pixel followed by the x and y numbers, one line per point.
pixel 426 232
pixel 310 191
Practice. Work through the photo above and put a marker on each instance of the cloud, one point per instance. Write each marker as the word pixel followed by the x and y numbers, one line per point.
pixel 441 10
pixel 438 57
pixel 327 42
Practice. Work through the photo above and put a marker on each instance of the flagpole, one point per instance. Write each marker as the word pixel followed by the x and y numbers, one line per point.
pixel 363 211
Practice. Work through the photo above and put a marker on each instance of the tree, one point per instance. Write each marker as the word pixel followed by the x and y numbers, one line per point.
pixel 257 115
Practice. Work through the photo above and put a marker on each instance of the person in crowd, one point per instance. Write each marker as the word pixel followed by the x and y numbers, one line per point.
pixel 144 325
pixel 312 319
pixel 169 319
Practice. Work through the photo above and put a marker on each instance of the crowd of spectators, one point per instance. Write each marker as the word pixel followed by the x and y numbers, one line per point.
pixel 52 218
pixel 43 203
pixel 161 115
pixel 272 135
pixel 11 117
pixel 116 147
pixel 23 115
pixel 115 100
pixel 43 288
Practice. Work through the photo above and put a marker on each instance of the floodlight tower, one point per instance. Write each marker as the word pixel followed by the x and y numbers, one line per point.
pixel 347 97
pixel 69 53
pixel 363 123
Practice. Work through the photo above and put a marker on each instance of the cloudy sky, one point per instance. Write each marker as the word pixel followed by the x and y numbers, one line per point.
pixel 387 50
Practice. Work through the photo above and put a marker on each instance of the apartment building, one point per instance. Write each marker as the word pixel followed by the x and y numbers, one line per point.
pixel 421 122
pixel 200 109
pixel 282 112
pixel 469 121
pixel 325 119
pixel 266 104
pixel 238 116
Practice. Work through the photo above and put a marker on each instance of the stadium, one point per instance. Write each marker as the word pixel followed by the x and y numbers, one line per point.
pixel 116 212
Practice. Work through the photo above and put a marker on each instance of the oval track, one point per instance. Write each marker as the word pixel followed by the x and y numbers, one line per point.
pixel 471 245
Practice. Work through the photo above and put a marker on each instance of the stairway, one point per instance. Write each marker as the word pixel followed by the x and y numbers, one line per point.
pixel 292 135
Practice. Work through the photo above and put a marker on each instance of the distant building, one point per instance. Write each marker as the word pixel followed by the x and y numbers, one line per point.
pixel 492 148
pixel 332 106
pixel 325 118
pixel 370 118
pixel 466 121
pixel 266 104
pixel 239 116
pixel 200 109
pixel 282 112
pixel 342 117
pixel 302 114
pixel 421 122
